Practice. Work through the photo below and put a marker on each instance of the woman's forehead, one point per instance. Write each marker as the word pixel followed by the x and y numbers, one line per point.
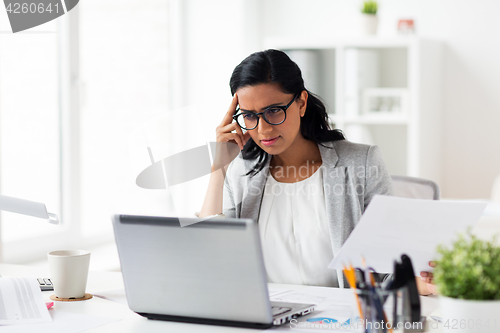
pixel 260 96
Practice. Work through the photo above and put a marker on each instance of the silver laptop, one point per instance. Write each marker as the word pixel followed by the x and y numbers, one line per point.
pixel 211 272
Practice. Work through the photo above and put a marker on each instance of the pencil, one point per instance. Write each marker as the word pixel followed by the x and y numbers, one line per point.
pixel 351 279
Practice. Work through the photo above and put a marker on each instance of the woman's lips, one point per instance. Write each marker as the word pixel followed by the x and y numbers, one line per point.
pixel 269 142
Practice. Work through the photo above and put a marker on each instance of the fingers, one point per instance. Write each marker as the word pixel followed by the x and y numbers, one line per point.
pixel 427 277
pixel 422 287
pixel 426 283
pixel 432 289
pixel 228 117
pixel 240 133
pixel 246 137
pixel 239 141
pixel 427 280
pixel 225 134
pixel 231 137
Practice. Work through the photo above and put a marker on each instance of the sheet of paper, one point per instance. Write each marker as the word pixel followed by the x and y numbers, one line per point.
pixel 275 291
pixel 63 322
pixel 117 296
pixel 335 318
pixel 297 297
pixel 336 311
pixel 392 226
pixel 21 302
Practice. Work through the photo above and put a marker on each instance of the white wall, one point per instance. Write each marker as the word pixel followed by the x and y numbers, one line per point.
pixel 469 29
pixel 220 33
pixel 217 36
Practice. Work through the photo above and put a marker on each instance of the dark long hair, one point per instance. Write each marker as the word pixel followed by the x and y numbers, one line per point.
pixel 273 66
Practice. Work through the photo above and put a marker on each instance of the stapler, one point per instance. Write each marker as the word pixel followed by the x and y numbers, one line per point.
pixel 404 281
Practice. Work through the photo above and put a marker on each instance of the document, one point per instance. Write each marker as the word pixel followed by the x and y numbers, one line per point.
pixel 336 311
pixel 275 291
pixel 117 295
pixel 392 226
pixel 21 302
pixel 63 322
pixel 297 297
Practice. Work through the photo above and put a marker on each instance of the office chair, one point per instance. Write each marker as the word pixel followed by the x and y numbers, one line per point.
pixel 418 188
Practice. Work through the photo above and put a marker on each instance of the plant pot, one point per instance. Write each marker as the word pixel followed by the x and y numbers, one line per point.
pixel 470 316
pixel 369 24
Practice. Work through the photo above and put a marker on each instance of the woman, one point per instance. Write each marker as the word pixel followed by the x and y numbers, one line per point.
pixel 303 183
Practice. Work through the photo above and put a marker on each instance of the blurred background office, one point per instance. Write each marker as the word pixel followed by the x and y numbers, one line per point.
pixel 84 96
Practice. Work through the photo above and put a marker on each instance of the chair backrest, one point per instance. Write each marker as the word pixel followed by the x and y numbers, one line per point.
pixel 418 188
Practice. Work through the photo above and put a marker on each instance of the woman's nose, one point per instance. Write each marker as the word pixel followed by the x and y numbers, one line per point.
pixel 264 126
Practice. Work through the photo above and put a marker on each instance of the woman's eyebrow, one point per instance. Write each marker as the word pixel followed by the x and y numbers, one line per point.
pixel 266 107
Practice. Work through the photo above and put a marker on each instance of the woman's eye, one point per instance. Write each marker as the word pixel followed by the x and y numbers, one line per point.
pixel 274 110
pixel 249 116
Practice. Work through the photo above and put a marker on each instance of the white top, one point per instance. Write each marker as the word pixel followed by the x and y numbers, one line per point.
pixel 294 233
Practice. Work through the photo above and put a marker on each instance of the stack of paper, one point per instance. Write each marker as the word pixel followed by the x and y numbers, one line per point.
pixel 21 302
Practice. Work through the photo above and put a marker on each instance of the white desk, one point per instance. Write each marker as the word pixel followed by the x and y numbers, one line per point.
pixel 131 322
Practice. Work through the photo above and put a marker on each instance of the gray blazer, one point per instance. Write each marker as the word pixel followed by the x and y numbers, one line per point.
pixel 352 175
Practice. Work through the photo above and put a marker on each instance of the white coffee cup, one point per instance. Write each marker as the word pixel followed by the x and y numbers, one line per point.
pixel 69 270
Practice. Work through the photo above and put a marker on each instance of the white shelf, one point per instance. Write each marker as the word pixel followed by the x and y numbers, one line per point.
pixel 409 139
pixel 382 119
pixel 359 42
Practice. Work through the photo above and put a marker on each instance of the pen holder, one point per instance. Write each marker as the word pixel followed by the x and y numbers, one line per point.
pixel 374 318
pixel 387 311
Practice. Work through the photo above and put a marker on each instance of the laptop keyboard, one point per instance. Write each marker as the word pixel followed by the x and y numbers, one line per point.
pixel 277 310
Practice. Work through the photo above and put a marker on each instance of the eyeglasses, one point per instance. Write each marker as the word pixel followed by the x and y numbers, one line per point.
pixel 273 115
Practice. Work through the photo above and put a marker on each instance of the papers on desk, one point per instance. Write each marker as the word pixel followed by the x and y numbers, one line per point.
pixel 296 297
pixel 335 310
pixel 117 295
pixel 21 302
pixel 392 226
pixel 64 322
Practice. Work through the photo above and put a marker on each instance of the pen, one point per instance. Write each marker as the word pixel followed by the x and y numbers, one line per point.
pixel 377 299
pixel 361 276
pixel 436 318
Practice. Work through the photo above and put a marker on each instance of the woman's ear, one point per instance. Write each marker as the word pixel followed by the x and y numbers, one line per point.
pixel 302 101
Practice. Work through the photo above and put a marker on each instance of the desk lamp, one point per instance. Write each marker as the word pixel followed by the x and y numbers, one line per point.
pixel 26 207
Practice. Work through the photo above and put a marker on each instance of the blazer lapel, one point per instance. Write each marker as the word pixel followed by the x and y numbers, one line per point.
pixel 334 186
pixel 252 198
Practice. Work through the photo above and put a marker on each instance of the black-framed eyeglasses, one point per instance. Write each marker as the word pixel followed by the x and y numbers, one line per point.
pixel 273 115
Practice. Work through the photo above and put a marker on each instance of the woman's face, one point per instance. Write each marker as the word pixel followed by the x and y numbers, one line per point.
pixel 273 139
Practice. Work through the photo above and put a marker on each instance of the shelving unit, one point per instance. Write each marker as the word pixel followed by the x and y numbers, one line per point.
pixel 405 71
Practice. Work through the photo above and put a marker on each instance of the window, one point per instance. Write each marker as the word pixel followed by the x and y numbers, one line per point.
pixel 124 71
pixel 71 95
pixel 29 129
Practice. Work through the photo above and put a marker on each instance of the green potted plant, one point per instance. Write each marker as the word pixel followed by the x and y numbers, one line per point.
pixel 467 276
pixel 369 17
